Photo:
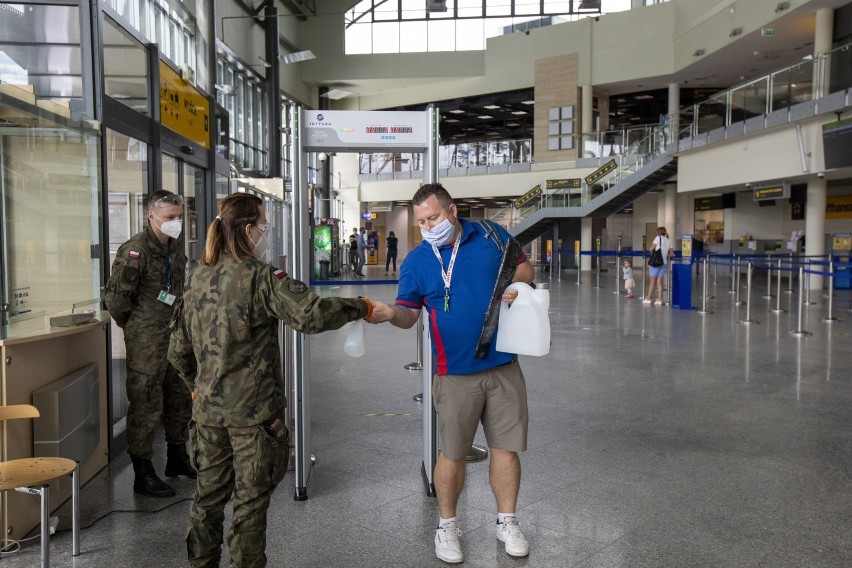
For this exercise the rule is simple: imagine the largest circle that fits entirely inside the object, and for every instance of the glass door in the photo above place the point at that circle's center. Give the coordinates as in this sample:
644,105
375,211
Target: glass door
126,160
185,179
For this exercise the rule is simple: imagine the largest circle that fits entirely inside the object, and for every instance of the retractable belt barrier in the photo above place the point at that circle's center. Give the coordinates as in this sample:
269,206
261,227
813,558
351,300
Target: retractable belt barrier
790,263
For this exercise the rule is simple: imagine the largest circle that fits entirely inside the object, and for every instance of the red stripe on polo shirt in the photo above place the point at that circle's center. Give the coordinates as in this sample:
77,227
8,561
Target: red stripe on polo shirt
441,355
407,304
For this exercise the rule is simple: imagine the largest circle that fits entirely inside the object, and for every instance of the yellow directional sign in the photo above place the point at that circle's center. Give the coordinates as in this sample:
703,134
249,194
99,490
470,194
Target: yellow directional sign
599,173
527,197
183,108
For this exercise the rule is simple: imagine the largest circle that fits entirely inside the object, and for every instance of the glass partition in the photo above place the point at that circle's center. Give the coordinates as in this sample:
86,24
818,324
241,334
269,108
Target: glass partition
50,212
49,209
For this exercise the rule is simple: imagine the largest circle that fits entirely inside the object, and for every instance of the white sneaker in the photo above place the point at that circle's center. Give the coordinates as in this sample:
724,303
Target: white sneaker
509,533
447,547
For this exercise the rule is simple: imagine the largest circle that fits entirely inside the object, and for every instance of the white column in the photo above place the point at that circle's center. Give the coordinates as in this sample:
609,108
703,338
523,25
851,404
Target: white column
823,35
670,210
815,226
824,30
674,111
587,125
586,242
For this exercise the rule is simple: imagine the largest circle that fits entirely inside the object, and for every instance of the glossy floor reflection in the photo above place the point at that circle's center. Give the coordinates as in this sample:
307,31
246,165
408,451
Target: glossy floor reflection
658,438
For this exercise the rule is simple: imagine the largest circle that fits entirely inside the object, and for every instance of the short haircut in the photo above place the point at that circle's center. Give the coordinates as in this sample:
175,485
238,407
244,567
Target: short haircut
158,195
429,189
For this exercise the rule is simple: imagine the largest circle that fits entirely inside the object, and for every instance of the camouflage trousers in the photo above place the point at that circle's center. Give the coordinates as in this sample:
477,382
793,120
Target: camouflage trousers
152,398
240,463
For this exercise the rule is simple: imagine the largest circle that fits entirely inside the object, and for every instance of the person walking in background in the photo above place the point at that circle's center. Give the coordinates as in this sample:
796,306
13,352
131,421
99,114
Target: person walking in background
353,250
224,345
362,252
697,253
629,282
147,277
452,274
392,241
658,273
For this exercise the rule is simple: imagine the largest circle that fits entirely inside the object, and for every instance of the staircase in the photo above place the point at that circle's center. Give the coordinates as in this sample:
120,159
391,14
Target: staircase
610,201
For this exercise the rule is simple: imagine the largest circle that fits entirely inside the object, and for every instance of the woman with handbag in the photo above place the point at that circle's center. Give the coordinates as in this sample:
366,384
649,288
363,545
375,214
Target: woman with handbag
660,252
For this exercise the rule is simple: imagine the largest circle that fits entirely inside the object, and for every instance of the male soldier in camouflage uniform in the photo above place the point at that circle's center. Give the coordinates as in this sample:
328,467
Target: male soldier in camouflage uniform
224,345
147,276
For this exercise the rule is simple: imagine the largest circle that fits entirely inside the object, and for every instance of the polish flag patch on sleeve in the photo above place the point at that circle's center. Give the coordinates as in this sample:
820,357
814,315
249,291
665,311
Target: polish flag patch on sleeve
133,254
278,273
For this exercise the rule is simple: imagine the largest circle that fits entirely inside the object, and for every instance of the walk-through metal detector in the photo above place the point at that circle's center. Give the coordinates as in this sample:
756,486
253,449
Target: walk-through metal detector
349,131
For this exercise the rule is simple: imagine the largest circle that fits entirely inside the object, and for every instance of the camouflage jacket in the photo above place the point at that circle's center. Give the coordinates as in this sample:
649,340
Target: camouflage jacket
224,337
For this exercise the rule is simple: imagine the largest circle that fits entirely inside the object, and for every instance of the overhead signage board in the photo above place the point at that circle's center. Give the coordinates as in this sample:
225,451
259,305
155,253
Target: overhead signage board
463,211
599,173
381,206
527,197
365,131
709,203
183,108
774,191
573,183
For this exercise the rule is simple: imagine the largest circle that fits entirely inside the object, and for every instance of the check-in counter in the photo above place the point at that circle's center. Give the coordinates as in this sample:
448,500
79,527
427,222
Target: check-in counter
66,368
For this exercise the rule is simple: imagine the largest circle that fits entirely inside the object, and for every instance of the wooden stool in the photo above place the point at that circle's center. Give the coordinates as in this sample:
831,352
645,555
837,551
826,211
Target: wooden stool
34,475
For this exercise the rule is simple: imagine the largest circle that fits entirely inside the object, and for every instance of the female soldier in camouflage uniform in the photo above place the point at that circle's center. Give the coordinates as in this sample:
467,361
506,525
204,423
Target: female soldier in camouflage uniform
224,346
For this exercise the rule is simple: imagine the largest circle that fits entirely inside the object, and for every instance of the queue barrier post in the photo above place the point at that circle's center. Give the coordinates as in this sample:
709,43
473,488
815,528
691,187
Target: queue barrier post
704,309
748,320
830,318
778,309
768,295
799,332
736,280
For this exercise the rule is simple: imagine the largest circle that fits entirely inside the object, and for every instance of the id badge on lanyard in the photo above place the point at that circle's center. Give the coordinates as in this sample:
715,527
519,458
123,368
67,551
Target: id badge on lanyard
165,295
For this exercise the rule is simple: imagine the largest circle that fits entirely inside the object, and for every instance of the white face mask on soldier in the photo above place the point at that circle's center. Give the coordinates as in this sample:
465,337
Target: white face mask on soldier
262,243
439,235
171,228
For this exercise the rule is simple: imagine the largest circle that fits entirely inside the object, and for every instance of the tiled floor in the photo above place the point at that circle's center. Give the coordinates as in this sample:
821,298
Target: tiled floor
658,438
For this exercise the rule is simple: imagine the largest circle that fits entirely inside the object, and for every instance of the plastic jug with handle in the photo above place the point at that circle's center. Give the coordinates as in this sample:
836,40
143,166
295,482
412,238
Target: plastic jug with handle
354,346
524,326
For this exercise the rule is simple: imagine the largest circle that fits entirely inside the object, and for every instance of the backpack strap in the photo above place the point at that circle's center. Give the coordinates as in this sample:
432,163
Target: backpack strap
490,229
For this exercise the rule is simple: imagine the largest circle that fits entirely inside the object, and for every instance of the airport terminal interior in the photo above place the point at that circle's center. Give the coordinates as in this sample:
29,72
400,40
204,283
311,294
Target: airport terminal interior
658,438
712,430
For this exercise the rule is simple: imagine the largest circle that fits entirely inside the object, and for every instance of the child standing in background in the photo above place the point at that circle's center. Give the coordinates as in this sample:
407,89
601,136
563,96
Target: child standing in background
629,283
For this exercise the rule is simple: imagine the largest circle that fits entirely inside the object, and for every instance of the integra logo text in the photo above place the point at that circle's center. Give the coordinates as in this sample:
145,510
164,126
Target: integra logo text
320,121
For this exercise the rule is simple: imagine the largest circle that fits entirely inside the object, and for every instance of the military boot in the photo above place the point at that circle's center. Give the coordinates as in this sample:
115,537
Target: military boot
177,462
147,482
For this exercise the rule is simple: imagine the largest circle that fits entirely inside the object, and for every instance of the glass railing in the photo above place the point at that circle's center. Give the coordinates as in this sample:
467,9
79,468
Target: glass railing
629,149
808,80
499,156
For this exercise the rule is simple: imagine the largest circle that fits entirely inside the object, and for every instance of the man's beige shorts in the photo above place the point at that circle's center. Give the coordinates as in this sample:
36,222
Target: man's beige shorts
497,398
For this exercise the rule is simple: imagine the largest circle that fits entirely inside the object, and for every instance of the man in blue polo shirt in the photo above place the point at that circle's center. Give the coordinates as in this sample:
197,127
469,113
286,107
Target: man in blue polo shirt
452,274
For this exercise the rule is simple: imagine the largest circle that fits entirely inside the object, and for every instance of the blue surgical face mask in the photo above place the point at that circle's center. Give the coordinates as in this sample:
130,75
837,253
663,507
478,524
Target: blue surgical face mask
439,235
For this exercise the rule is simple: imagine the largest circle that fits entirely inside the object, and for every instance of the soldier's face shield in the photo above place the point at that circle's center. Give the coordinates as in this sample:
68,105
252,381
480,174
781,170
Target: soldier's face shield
169,200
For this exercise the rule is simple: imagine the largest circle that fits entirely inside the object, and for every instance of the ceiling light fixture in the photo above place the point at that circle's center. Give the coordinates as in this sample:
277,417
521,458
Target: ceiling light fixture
484,116
491,107
528,102
298,56
519,112
456,111
337,94
226,90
